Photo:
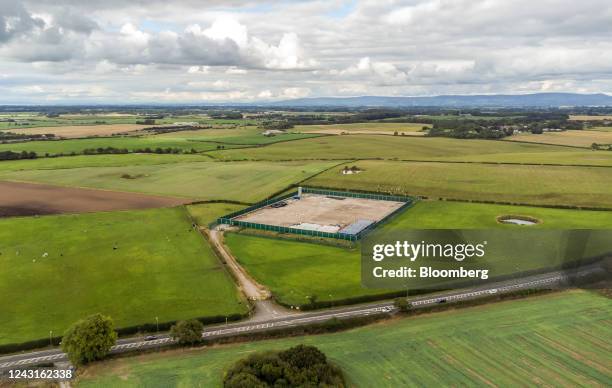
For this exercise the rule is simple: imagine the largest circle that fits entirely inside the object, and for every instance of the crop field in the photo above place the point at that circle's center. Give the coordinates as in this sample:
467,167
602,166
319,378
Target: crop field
333,272
559,338
239,181
132,265
569,157
590,117
82,130
601,129
104,160
526,184
384,147
27,199
373,128
569,138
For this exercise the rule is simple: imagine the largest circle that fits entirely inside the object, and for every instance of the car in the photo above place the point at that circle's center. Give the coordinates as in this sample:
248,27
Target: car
441,300
150,338
493,291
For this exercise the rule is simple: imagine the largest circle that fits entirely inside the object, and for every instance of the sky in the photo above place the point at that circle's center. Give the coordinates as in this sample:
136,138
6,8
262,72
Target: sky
193,51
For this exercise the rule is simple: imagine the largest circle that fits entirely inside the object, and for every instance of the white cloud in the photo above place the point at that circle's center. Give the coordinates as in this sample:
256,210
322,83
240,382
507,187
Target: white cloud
235,70
150,49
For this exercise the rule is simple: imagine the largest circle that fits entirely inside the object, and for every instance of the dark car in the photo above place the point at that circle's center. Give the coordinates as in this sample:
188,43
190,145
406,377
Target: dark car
441,301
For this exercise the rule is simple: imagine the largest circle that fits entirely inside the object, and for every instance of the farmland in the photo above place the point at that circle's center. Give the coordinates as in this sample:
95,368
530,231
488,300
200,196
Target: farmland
538,185
365,128
567,138
27,199
416,148
239,181
386,147
81,130
78,161
563,334
132,265
333,272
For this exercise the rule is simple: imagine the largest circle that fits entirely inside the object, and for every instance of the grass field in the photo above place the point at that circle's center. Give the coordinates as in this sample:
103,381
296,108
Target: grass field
58,269
462,215
550,185
239,181
78,161
294,271
366,128
334,272
206,213
54,147
557,339
236,136
570,156
416,148
386,147
569,138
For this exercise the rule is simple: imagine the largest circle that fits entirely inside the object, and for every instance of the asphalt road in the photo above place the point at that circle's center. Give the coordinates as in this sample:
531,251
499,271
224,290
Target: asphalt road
550,280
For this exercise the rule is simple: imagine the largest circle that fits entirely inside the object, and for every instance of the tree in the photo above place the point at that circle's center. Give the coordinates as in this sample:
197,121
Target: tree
89,339
402,305
300,366
187,332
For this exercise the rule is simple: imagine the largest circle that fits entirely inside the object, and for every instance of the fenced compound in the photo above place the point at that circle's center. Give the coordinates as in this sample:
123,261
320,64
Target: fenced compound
351,232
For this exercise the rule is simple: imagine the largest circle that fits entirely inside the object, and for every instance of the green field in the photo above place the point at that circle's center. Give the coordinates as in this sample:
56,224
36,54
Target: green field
417,148
539,185
99,161
239,181
582,138
33,120
369,127
206,213
334,273
132,265
294,271
461,215
386,147
55,147
558,339
235,136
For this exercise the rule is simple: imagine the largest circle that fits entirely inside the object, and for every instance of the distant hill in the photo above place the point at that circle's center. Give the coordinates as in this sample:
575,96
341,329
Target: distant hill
495,100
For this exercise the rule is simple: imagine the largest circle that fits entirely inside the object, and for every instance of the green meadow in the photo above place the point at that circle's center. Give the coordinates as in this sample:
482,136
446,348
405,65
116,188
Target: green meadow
556,339
296,270
132,265
239,181
384,147
525,184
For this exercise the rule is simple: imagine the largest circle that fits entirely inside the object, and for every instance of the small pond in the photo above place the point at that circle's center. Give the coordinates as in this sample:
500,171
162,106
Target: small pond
517,220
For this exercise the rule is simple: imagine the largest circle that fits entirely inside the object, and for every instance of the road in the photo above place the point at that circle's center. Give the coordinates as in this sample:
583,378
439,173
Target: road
249,286
294,319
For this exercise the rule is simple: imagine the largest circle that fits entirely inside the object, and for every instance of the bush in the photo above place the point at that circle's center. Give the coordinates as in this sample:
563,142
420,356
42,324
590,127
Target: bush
89,339
187,332
299,366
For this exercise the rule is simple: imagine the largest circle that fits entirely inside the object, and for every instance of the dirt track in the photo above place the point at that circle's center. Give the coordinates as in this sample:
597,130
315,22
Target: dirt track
28,199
